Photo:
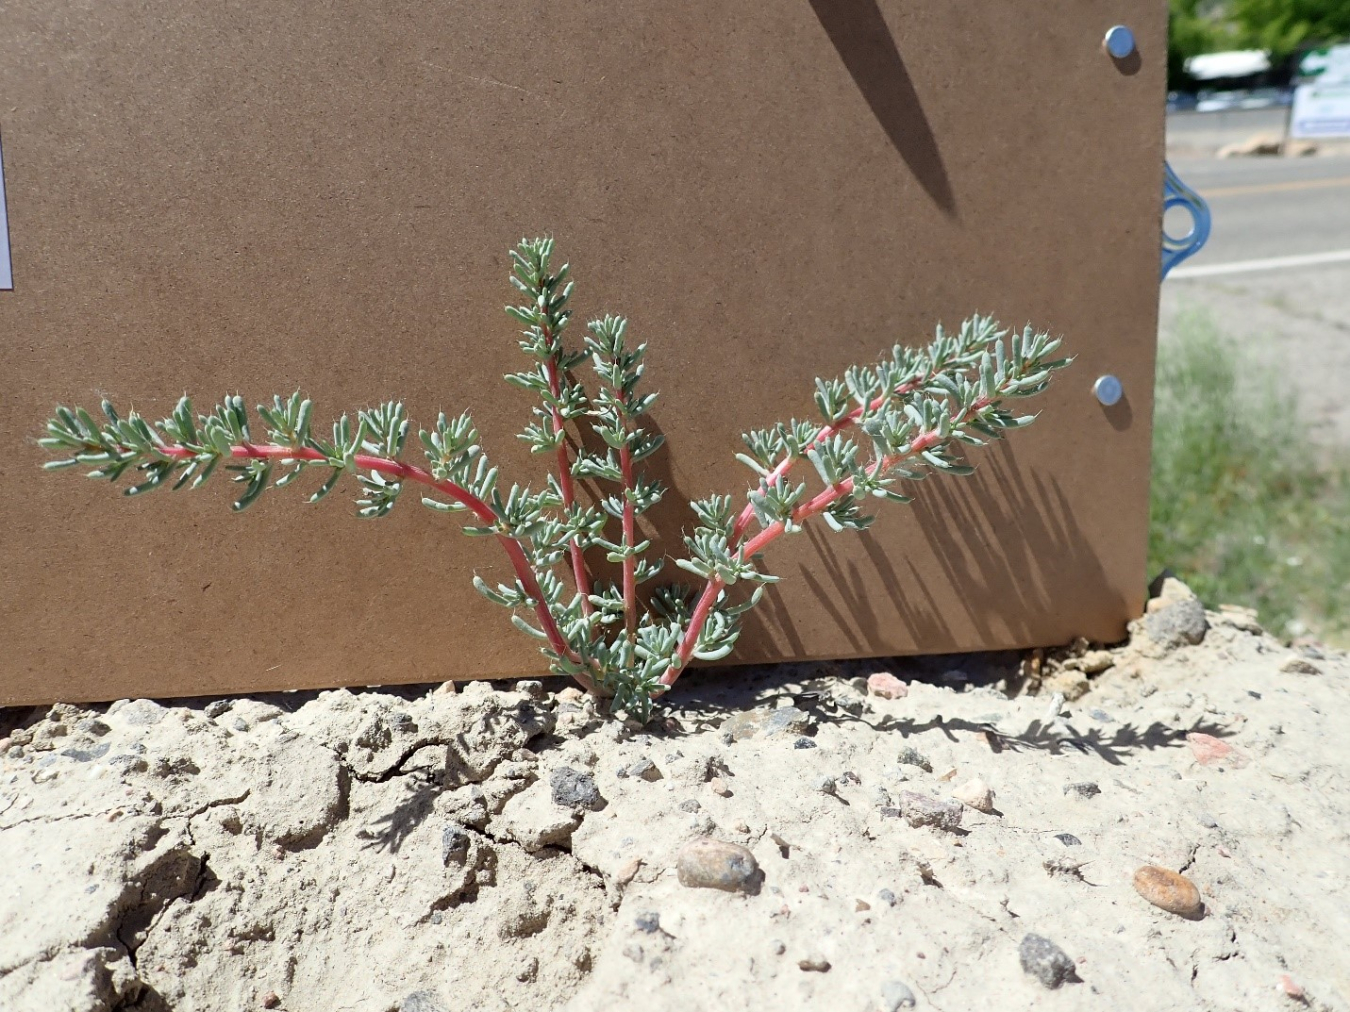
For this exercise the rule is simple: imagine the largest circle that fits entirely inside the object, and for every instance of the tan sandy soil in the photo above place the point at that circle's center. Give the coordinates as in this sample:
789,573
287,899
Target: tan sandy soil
507,848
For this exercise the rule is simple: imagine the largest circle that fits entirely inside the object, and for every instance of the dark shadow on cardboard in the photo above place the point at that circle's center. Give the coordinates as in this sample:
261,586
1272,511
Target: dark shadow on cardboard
863,40
1006,537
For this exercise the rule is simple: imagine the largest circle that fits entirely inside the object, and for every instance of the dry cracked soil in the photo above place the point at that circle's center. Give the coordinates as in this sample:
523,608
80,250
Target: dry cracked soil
787,837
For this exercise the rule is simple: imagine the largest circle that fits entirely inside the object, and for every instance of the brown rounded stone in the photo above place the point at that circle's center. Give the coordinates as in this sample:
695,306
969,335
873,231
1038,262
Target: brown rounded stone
713,864
1166,889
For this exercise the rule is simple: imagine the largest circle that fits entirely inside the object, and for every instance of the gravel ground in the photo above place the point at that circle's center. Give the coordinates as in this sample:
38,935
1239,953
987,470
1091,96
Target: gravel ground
1160,825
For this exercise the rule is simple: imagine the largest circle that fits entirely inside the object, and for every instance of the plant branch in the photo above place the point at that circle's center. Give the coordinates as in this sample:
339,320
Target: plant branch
411,472
629,540
715,585
565,483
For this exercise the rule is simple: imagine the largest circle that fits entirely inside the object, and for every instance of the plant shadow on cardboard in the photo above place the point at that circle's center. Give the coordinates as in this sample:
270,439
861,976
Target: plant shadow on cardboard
1028,550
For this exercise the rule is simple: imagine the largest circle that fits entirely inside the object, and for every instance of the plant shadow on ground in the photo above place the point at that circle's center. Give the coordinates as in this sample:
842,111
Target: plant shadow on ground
709,696
389,832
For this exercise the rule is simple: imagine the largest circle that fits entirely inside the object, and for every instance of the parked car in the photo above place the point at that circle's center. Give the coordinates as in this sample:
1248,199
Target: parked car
1254,98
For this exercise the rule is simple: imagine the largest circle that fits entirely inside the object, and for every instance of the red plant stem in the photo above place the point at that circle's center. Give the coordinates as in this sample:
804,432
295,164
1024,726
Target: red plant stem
583,579
785,465
703,607
629,540
515,551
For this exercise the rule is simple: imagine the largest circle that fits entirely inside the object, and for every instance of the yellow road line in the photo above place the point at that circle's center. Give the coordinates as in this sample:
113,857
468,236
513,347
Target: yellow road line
1302,184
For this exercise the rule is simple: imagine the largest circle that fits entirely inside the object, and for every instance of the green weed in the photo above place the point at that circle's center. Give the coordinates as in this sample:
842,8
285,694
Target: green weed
1245,508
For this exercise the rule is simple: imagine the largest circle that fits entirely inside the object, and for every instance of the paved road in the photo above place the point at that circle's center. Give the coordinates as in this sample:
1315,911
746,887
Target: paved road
1275,274
1271,207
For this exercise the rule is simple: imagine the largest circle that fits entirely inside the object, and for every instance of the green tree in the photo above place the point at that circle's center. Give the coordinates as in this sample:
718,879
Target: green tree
1194,27
1284,26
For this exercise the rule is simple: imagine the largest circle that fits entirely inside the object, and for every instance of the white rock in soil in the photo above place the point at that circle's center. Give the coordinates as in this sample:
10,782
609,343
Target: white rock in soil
975,793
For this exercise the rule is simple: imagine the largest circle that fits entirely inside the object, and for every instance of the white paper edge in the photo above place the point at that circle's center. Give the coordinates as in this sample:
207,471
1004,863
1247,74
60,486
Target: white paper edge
6,274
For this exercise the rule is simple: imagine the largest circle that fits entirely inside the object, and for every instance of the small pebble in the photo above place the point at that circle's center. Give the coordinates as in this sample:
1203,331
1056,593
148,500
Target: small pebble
886,685
573,789
714,864
777,947
1068,839
1094,662
766,721
644,769
1209,750
1169,891
269,1000
527,969
1046,961
1206,820
1298,666
719,787
690,806
1291,988
824,784
910,756
887,897
921,810
649,921
629,871
422,1001
530,687
804,743
94,726
896,995
239,724
142,712
1083,789
860,905
740,827
976,794
1177,624
84,755
815,963
454,845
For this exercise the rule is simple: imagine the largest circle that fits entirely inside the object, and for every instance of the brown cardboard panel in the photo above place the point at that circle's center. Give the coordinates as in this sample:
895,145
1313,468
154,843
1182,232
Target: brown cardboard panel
214,197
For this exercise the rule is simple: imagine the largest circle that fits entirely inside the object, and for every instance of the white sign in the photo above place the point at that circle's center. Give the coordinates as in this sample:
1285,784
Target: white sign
1321,110
1327,65
6,275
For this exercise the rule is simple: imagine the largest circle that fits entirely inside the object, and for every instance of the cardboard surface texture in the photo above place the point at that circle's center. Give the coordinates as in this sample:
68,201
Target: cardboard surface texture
256,197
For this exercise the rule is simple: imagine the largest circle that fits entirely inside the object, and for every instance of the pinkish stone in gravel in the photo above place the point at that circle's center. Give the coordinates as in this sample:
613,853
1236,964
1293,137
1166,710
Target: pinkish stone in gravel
886,685
1210,750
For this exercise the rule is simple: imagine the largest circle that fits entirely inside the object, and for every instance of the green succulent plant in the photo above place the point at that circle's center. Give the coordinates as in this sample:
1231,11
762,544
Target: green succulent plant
882,428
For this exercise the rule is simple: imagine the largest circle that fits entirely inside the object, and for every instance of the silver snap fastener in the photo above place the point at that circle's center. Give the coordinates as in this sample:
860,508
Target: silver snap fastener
1108,390
1119,42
